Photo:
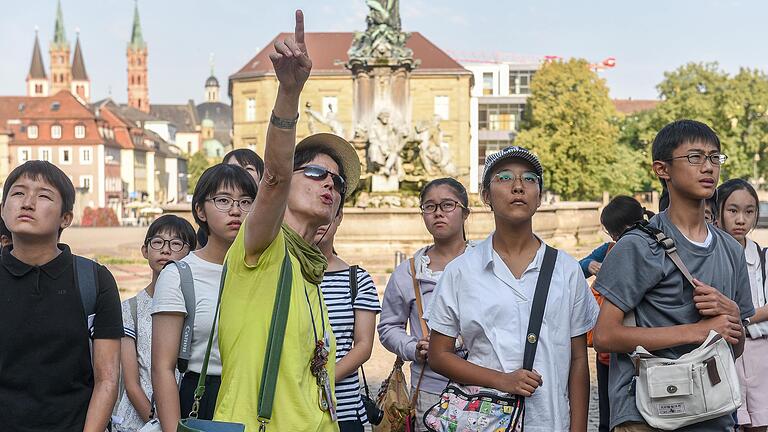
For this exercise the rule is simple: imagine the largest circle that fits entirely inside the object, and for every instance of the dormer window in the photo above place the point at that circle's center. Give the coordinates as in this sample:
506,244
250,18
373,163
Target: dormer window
32,131
79,131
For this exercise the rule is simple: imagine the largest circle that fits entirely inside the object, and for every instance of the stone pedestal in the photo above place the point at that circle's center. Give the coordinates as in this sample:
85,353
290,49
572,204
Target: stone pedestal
382,183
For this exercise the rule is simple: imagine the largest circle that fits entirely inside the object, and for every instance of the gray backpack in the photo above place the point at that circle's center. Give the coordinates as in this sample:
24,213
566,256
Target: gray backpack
187,331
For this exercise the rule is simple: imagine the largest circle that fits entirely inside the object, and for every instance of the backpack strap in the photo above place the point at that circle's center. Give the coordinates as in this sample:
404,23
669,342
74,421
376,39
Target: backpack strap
670,250
85,275
133,305
353,283
187,285
761,253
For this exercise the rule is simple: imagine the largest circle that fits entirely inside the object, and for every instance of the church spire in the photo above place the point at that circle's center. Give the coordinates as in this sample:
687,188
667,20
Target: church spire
59,35
37,68
78,64
37,81
137,40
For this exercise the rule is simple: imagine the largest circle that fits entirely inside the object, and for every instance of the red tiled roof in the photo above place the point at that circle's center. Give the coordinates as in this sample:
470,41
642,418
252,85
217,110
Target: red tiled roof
329,54
61,109
634,106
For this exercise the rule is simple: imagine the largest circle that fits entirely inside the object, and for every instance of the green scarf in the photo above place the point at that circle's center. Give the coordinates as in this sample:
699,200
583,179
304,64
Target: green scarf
313,262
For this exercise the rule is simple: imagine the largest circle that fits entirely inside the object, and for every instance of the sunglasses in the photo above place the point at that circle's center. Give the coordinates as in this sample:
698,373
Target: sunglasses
319,173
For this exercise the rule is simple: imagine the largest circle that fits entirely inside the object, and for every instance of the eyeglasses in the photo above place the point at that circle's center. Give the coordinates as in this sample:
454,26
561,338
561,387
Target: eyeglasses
225,203
716,159
529,179
446,206
319,173
158,243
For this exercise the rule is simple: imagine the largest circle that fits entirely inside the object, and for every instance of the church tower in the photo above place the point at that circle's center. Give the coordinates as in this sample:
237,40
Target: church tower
61,73
212,86
138,89
81,85
37,81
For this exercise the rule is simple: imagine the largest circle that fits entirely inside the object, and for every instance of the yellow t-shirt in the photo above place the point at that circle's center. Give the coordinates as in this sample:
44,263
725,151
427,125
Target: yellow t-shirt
246,314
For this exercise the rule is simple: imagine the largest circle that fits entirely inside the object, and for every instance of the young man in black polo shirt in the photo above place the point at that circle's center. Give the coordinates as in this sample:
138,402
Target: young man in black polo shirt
48,381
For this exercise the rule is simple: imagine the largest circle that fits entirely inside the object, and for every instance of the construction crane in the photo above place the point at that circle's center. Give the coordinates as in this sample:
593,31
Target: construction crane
506,57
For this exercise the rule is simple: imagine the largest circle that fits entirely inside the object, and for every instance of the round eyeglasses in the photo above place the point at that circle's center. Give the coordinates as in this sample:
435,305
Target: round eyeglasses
158,243
528,178
225,203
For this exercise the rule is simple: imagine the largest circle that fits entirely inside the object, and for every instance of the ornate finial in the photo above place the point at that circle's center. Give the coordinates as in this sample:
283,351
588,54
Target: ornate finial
37,29
77,31
210,61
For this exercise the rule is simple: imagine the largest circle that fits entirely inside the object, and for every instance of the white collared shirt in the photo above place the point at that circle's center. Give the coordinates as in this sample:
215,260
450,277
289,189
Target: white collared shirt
481,300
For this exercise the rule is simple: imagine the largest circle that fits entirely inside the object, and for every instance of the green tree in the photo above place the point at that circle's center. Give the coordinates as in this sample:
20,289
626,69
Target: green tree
572,125
197,164
734,106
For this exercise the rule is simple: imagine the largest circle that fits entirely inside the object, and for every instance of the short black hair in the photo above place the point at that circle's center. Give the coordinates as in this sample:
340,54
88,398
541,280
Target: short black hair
48,172
173,225
621,212
678,133
305,155
215,178
246,157
725,190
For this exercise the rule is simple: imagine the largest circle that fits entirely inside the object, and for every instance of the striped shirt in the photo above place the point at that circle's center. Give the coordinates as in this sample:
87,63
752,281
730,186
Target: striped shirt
338,299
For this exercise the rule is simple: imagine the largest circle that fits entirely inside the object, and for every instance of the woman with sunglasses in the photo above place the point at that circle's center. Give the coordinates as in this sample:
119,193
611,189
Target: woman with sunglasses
223,197
445,209
302,189
168,238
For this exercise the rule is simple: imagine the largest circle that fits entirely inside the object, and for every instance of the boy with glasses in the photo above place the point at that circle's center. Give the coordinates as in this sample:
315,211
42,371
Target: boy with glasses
672,316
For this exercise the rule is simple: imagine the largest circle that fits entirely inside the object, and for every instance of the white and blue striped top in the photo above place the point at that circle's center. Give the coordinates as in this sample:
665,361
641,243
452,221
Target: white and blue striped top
338,299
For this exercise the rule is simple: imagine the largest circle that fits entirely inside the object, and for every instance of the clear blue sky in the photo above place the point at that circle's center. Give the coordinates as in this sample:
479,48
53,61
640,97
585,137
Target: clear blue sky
646,37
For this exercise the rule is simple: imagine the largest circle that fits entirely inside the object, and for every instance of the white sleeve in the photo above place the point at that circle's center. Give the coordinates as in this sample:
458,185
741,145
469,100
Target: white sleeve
442,314
168,296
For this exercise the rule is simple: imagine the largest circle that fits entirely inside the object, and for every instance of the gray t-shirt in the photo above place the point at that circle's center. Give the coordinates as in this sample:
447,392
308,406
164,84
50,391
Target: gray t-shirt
637,275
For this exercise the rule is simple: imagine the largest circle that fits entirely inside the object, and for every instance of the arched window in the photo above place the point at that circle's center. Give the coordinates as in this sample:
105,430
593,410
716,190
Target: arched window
138,61
138,80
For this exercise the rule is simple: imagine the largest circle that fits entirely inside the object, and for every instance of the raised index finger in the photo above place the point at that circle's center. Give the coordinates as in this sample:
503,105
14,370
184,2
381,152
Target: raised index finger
299,30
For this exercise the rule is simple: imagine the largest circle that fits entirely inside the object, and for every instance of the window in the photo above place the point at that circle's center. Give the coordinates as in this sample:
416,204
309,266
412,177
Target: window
32,131
85,155
65,156
442,107
330,104
38,89
250,110
487,83
86,182
520,82
44,153
80,131
56,131
500,117
25,154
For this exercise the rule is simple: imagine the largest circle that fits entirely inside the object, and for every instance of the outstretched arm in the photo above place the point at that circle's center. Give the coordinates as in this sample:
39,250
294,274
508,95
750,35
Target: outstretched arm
292,67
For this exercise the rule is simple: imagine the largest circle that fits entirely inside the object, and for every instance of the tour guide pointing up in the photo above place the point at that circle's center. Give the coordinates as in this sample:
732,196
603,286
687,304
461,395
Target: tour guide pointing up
298,193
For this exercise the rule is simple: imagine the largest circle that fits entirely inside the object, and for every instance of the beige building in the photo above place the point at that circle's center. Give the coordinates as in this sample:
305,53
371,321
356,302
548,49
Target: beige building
438,86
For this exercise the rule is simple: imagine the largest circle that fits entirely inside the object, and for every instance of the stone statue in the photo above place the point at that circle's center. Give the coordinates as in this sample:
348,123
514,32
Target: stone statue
384,146
383,39
435,154
386,12
328,120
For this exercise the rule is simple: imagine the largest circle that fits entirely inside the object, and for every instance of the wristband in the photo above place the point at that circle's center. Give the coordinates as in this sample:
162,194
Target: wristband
282,123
